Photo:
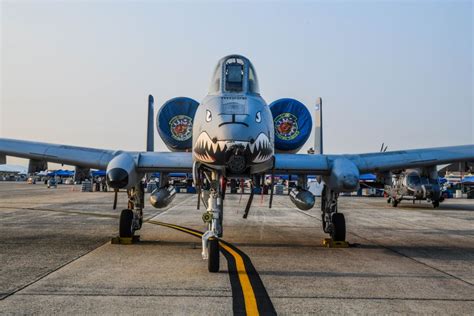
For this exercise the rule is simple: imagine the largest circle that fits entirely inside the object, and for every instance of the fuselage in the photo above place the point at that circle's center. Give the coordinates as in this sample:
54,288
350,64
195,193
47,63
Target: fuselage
234,130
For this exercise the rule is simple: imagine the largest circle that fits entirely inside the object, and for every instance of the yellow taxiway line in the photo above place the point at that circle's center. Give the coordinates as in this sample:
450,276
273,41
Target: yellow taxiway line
247,289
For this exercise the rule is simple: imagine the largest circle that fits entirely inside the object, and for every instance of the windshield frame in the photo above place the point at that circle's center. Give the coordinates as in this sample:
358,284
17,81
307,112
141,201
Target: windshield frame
411,182
246,86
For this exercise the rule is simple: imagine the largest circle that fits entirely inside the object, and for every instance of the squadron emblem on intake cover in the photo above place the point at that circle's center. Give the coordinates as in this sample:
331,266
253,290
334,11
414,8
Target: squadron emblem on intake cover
286,126
181,127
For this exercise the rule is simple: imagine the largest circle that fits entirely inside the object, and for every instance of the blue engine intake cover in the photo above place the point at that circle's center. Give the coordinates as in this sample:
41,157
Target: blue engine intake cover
293,124
174,123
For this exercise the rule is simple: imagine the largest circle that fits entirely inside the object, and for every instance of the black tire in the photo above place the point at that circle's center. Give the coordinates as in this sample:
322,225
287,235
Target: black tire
389,200
221,220
125,226
339,231
213,260
394,202
435,204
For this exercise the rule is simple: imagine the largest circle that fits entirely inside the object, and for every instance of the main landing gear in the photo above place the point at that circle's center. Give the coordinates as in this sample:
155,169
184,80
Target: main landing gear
334,223
213,217
131,219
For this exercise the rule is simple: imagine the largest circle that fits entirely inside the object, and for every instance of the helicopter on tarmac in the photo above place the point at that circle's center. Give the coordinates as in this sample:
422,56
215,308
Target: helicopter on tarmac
414,185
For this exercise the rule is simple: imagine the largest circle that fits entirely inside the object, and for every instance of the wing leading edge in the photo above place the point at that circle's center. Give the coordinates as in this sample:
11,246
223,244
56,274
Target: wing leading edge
286,163
374,162
93,157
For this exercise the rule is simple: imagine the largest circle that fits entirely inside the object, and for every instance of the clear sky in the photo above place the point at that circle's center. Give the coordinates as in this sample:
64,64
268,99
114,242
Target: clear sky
79,72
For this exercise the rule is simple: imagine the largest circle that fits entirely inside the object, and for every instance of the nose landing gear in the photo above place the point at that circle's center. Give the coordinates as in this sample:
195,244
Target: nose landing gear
213,217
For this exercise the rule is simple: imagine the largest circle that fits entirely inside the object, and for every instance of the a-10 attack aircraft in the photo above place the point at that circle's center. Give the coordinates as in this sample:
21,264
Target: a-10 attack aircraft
232,133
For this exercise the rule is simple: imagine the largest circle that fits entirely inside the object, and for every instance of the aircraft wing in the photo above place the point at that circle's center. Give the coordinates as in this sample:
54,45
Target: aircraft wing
92,157
374,162
165,161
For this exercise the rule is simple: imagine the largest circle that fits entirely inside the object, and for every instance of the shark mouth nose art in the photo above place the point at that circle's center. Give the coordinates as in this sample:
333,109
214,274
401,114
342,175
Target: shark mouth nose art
210,151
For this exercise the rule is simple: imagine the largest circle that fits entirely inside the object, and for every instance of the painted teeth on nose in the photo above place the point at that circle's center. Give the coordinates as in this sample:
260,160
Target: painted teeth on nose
252,147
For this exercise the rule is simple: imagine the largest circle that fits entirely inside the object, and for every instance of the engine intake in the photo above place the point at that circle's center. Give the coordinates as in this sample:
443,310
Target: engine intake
293,124
174,123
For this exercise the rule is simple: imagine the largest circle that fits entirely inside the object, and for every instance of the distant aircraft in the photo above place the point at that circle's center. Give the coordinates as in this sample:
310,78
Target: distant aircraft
413,185
232,133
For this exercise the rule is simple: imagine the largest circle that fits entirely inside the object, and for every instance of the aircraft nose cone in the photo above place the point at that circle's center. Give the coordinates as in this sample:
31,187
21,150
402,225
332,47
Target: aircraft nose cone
117,178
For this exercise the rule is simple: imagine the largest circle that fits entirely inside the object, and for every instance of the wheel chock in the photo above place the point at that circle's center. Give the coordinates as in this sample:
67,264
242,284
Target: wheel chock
329,243
125,240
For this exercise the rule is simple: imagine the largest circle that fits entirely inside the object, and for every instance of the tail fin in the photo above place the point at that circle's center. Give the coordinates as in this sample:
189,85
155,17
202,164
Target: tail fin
150,140
318,128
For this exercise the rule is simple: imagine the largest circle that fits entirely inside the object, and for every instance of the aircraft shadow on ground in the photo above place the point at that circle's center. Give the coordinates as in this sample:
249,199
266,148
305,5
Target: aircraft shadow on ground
187,244
325,274
441,208
426,252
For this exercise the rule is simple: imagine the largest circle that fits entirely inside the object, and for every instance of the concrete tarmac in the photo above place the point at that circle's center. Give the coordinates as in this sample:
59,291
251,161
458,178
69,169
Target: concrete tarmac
56,257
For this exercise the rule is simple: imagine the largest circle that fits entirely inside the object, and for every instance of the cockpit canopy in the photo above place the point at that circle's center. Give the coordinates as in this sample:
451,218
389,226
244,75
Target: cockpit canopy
414,179
234,74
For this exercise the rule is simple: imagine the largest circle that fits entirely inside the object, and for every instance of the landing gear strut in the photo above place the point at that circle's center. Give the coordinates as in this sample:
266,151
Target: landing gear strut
131,219
213,217
334,223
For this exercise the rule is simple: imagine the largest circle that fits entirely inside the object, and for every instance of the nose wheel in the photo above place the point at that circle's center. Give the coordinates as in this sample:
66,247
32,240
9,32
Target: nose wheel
213,252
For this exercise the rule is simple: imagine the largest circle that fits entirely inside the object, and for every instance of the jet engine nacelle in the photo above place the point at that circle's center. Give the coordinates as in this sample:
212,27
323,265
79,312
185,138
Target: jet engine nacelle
174,123
344,176
303,199
162,197
293,124
121,172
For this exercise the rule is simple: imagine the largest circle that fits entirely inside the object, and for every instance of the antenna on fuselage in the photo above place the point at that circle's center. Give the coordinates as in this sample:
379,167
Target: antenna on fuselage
150,140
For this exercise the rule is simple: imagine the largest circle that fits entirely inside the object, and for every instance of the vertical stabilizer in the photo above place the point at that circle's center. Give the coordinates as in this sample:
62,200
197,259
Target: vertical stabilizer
318,126
150,140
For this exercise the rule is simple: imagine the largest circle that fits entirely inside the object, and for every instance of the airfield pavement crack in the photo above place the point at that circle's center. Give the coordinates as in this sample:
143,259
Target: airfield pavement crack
50,272
400,254
415,260
120,295
427,299
3,296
